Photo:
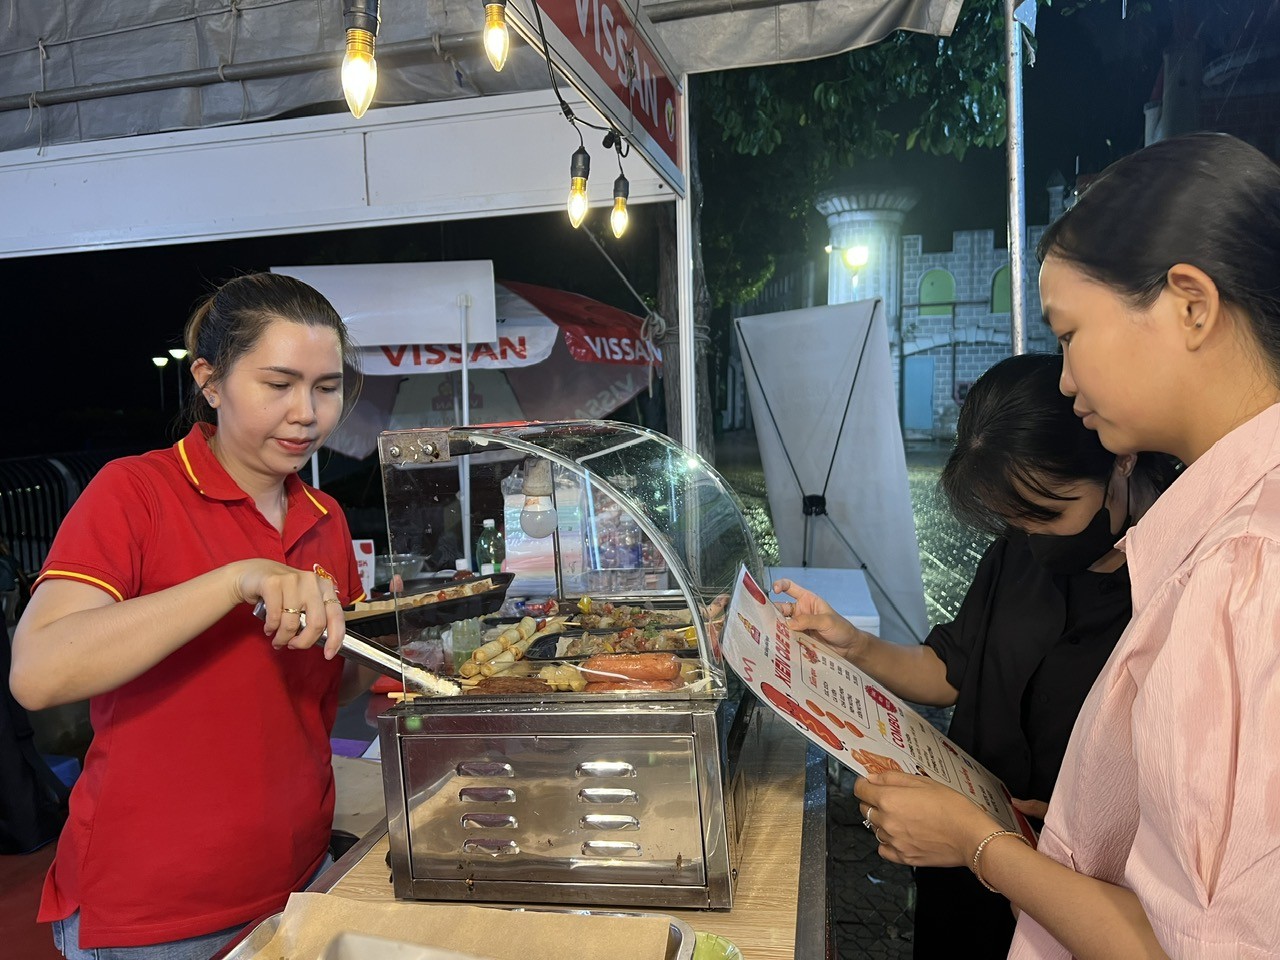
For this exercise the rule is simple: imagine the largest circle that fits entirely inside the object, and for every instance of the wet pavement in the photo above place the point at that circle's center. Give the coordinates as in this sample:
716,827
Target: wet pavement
872,901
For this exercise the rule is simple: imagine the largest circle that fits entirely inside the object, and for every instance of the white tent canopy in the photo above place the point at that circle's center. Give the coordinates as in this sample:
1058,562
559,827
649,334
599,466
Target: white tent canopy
827,426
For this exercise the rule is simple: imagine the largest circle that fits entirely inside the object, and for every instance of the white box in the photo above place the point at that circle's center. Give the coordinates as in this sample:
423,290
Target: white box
845,589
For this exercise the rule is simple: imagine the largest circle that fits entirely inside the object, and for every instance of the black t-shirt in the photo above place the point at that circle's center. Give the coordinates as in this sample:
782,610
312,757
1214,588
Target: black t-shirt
1023,652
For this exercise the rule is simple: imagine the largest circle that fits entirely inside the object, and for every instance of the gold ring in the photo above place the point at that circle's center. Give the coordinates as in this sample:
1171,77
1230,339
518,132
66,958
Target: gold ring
333,600
293,610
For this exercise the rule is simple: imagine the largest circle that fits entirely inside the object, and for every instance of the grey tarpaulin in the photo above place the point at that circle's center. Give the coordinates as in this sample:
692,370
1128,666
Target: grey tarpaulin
48,46
821,391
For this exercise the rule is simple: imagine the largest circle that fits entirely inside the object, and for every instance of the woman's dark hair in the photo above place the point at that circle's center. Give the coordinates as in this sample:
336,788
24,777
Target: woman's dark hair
230,321
1208,200
1018,437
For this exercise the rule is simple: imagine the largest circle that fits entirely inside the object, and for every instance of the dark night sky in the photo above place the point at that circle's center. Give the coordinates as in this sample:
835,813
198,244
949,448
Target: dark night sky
80,328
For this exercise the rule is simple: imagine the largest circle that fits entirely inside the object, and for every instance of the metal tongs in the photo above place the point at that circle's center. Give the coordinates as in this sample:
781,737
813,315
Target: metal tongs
359,650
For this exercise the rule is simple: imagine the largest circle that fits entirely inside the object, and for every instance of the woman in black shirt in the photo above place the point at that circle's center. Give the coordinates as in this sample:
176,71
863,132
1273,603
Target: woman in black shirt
1048,602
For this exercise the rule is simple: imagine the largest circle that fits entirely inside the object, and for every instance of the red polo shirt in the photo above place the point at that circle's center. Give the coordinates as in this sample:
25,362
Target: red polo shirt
207,793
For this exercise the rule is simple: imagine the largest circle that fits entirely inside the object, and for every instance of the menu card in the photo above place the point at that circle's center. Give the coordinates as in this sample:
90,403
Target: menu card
844,711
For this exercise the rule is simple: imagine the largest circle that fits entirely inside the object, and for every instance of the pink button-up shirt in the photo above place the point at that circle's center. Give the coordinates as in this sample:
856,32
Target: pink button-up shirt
1171,783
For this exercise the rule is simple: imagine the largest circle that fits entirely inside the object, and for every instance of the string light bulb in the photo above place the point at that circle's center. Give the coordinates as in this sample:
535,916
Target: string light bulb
619,218
497,41
579,171
359,68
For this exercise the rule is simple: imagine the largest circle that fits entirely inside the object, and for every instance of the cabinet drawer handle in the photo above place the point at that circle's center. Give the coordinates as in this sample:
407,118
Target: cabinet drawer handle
610,821
483,768
605,768
608,795
489,821
492,848
611,848
487,795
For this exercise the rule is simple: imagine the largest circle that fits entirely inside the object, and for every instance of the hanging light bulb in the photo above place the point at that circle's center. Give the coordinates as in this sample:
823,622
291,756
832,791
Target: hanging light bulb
579,170
619,218
359,68
497,41
538,518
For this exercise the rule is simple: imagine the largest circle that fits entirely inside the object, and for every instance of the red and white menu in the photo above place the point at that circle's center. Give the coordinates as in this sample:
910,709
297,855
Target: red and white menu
844,711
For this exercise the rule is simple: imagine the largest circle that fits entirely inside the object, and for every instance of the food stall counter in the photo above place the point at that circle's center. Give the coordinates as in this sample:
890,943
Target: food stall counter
780,900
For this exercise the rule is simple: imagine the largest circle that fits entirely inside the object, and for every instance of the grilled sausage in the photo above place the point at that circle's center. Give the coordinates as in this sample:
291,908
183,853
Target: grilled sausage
633,666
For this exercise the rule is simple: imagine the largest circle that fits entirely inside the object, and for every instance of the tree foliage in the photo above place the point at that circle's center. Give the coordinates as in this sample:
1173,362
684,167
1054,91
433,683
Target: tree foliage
771,138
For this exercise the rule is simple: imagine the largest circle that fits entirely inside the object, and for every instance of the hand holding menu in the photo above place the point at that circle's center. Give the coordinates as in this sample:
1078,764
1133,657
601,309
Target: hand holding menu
844,711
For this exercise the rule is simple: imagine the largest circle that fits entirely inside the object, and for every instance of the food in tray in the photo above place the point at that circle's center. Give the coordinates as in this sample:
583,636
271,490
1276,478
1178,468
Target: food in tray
594,615
501,654
633,672
640,673
632,666
563,676
452,591
630,640
509,686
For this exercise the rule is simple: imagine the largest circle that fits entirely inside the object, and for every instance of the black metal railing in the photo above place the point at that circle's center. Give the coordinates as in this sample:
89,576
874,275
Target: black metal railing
36,493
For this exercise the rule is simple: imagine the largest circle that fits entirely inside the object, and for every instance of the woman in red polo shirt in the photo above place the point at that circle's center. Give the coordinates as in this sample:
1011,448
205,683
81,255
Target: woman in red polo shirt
207,793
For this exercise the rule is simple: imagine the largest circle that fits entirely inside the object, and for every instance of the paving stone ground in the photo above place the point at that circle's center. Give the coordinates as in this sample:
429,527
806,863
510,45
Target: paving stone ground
873,901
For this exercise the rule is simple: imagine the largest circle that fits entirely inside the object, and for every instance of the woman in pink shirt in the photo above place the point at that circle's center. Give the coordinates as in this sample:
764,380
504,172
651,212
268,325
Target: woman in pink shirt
1163,834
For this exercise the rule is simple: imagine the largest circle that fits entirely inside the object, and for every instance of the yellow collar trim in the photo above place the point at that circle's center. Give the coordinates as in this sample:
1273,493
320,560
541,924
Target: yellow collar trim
186,462
319,505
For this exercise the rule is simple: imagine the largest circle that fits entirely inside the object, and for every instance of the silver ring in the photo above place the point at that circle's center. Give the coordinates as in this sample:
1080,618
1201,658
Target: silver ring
868,824
879,839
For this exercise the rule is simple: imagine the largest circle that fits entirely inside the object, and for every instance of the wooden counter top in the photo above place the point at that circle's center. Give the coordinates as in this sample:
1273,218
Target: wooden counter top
767,899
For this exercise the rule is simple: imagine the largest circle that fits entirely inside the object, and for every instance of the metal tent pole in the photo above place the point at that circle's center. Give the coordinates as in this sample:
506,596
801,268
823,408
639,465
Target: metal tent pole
1013,10
464,463
684,286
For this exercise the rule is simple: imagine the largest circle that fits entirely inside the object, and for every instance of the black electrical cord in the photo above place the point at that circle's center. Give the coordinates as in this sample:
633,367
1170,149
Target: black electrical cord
567,110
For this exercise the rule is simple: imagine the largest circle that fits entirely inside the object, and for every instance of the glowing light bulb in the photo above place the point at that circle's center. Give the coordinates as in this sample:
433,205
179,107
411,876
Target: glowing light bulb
359,72
579,170
538,518
160,361
497,41
619,218
855,257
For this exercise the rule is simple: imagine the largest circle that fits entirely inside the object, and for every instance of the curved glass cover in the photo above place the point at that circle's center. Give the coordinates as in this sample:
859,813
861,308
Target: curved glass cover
610,512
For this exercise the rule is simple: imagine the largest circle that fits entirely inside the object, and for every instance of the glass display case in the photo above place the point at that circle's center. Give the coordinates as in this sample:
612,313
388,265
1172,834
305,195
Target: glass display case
609,512
578,741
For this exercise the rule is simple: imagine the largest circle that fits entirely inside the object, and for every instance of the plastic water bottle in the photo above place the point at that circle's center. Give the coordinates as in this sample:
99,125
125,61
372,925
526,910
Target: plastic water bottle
491,549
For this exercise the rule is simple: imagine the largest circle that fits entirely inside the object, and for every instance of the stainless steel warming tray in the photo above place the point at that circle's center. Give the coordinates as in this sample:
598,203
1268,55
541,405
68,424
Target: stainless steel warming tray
561,794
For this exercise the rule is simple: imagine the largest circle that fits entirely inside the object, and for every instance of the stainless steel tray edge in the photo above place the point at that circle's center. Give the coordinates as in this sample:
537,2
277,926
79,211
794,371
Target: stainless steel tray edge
681,938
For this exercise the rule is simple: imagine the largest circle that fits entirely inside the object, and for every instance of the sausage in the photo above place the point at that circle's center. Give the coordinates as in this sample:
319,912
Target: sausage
634,666
606,686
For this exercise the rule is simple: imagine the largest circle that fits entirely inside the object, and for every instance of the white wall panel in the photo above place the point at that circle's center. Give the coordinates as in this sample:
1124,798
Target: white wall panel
460,159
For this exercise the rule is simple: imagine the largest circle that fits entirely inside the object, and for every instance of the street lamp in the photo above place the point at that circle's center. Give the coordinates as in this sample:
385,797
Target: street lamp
179,355
161,363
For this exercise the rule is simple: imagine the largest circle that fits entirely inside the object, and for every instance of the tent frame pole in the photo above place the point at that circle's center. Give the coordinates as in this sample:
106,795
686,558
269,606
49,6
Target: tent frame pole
1016,161
464,462
684,288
